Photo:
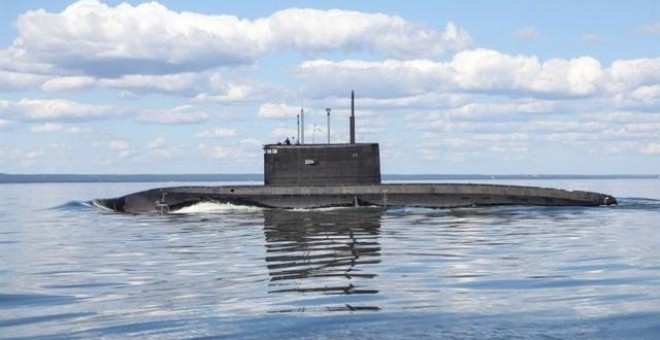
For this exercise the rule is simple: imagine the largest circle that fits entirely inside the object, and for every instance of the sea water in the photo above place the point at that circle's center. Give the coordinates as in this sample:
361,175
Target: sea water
71,270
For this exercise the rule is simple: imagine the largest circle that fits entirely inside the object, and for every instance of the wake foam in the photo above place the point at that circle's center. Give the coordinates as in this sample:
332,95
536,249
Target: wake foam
215,208
97,204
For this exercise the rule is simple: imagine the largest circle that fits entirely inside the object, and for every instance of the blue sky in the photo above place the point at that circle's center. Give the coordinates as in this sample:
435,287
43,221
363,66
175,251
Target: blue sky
479,87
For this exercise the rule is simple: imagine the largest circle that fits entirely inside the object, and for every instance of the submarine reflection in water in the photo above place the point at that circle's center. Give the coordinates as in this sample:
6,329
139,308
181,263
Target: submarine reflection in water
324,253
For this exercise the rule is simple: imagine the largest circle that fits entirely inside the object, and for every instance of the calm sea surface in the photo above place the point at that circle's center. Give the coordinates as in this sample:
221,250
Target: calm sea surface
69,270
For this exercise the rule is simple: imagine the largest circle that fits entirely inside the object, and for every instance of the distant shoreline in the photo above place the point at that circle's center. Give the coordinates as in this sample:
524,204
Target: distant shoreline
106,178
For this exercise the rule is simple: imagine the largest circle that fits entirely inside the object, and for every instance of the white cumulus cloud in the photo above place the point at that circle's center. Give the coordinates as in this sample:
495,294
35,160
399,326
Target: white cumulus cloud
311,29
633,73
171,83
184,114
232,92
67,83
481,71
12,81
89,38
47,127
277,111
55,109
216,133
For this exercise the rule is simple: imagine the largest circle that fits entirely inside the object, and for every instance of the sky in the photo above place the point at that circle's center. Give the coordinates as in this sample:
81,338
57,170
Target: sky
445,87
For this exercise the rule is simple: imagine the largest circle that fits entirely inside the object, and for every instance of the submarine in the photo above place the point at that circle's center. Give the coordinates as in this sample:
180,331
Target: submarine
308,176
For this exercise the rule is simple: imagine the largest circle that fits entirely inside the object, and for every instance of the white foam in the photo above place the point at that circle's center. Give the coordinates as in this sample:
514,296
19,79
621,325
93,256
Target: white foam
100,206
214,207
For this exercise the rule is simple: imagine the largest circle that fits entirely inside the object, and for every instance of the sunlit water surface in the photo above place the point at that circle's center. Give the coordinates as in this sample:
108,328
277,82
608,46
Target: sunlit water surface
69,270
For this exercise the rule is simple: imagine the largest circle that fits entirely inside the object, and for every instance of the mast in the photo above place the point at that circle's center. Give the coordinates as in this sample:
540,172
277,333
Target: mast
328,126
352,119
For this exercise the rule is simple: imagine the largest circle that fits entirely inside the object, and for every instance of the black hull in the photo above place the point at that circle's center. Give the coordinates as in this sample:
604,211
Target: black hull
165,200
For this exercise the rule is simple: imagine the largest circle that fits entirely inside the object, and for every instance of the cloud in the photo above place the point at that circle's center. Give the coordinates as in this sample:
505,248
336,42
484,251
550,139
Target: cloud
156,143
251,142
118,144
184,114
89,38
68,83
221,90
14,81
216,133
277,111
55,127
598,132
24,158
644,98
466,147
92,38
158,149
214,152
498,110
202,85
482,71
626,75
6,124
180,83
590,38
122,147
491,71
376,79
48,127
478,70
527,33
317,30
77,130
55,109
282,133
651,148
652,28
31,157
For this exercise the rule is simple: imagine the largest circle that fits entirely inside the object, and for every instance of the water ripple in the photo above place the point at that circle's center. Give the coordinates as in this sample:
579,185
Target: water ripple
501,272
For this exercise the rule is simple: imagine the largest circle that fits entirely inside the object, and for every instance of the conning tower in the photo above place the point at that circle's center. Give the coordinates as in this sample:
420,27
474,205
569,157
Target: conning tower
323,164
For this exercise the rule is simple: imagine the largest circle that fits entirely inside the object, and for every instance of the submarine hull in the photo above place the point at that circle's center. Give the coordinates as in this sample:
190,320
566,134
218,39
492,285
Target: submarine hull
169,199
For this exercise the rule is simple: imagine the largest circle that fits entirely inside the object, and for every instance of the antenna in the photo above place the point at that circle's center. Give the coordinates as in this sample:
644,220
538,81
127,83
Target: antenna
302,123
352,119
328,111
298,129
314,133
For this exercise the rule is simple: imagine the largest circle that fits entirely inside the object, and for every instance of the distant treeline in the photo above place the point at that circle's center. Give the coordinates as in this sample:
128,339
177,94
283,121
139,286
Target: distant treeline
76,178
425,177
